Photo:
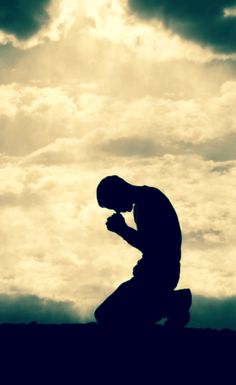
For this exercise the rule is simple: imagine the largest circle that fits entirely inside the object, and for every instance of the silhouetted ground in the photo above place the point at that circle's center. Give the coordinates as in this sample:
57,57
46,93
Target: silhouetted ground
86,353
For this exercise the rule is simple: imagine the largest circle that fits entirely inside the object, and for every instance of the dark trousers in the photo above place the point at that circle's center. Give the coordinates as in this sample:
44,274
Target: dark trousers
137,301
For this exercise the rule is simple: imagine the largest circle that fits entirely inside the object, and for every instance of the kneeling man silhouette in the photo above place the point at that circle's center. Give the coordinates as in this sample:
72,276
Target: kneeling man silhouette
149,295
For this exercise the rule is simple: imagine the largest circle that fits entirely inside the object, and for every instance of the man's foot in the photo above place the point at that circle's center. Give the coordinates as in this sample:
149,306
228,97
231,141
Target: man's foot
178,314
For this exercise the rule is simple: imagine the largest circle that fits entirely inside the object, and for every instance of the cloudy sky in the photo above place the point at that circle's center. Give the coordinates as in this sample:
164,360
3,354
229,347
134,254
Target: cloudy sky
139,88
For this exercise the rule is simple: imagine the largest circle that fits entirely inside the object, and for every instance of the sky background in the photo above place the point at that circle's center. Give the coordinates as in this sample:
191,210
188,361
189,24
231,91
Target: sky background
142,89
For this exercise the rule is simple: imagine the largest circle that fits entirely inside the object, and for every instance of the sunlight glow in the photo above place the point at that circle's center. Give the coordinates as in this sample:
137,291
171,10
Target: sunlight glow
114,22
230,12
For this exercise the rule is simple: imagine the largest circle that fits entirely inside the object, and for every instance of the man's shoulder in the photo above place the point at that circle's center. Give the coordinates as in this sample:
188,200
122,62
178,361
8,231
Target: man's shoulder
154,198
153,191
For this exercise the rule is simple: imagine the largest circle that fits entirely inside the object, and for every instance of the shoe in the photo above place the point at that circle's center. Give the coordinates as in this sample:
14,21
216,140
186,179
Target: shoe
178,314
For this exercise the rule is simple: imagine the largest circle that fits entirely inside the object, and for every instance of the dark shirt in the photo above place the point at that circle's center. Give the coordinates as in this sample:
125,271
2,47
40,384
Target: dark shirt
160,236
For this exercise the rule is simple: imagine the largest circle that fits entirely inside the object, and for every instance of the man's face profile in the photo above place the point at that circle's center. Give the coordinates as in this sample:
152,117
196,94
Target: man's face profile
114,193
118,203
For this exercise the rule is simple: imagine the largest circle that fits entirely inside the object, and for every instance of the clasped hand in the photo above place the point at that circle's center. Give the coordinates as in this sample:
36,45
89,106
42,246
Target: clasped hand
116,223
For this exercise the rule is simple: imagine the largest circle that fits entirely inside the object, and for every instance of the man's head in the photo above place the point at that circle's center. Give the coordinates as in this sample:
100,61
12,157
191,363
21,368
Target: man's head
115,193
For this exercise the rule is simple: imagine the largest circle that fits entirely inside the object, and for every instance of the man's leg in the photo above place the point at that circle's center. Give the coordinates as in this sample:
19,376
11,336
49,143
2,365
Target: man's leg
118,307
131,304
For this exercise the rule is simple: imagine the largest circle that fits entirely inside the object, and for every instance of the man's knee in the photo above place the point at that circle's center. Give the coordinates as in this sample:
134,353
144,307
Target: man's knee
98,314
105,311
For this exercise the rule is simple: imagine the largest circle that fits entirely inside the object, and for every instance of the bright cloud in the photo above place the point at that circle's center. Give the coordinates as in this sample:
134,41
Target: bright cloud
52,216
43,115
112,21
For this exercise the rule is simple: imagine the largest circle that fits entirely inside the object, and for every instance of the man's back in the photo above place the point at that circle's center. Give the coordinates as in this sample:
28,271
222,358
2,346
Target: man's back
159,230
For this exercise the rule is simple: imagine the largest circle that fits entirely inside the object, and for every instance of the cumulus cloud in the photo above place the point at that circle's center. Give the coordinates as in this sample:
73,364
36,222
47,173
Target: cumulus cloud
131,146
23,19
51,168
210,23
56,240
29,308
219,150
41,114
219,313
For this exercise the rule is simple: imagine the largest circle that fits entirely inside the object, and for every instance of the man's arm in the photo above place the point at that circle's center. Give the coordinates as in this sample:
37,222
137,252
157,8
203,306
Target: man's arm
117,224
131,236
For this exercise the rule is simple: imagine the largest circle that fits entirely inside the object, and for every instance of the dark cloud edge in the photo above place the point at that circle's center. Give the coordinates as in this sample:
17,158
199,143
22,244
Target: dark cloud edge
218,150
206,312
214,313
200,21
23,21
26,308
